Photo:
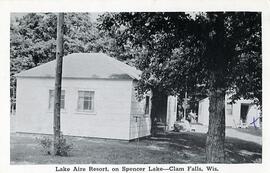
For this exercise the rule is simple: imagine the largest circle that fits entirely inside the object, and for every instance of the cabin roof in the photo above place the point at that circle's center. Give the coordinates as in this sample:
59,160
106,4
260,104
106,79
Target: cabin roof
86,65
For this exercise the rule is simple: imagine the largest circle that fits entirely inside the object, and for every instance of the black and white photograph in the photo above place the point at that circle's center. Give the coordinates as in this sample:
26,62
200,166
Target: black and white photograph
89,89
178,87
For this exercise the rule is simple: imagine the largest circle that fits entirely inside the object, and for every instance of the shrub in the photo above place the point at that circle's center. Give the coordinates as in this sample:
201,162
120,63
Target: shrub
46,144
62,146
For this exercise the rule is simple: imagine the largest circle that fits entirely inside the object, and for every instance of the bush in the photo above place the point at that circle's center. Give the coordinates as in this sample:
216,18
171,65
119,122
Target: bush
46,144
62,146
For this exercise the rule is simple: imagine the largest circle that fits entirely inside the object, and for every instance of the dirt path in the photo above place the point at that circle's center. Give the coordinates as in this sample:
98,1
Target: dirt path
232,133
243,136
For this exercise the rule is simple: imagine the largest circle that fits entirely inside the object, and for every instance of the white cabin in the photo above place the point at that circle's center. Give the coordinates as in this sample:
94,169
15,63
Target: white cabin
243,113
98,99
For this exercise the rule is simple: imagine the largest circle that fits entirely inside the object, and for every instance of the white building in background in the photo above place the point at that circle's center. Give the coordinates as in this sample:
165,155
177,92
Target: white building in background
98,99
242,113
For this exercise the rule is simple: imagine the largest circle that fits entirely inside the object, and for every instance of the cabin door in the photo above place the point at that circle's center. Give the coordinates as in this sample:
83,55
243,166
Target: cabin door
244,112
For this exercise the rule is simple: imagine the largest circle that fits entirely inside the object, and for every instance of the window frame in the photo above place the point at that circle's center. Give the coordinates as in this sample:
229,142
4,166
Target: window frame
92,95
50,106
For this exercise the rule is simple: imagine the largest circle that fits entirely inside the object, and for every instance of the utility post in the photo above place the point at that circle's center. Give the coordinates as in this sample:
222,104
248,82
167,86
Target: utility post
58,82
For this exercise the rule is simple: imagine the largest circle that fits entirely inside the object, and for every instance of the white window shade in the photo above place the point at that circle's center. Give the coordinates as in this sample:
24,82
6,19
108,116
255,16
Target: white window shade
85,100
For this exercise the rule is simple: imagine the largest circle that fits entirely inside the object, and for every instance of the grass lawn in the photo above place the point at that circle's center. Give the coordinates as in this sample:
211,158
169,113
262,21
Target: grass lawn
171,148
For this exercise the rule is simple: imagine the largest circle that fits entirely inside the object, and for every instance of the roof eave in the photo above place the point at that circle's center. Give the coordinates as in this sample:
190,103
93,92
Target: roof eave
24,76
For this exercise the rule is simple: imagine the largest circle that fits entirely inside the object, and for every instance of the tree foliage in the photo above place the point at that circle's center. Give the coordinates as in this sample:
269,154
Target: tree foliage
33,40
208,53
177,51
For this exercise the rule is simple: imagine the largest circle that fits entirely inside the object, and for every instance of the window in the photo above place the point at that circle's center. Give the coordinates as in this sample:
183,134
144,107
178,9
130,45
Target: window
86,100
229,109
146,110
51,99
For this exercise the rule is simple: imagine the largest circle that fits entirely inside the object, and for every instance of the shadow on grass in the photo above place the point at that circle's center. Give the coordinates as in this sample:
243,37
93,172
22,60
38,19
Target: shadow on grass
168,148
237,151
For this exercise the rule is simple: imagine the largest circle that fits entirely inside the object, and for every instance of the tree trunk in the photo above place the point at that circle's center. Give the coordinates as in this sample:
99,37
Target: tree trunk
216,130
217,65
58,83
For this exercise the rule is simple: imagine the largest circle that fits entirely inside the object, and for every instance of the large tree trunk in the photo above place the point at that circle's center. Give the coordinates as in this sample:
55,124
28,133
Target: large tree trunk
216,130
217,65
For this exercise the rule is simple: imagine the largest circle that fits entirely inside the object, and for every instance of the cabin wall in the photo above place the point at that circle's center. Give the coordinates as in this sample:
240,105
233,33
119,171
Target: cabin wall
171,112
203,113
142,126
231,119
110,118
252,114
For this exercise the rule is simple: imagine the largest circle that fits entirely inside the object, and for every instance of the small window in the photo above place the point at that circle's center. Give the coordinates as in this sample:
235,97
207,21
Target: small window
147,99
86,100
229,109
51,99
